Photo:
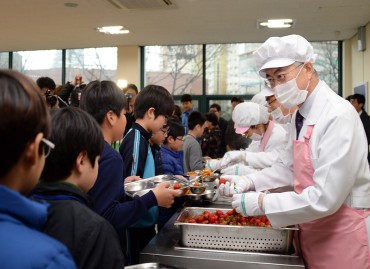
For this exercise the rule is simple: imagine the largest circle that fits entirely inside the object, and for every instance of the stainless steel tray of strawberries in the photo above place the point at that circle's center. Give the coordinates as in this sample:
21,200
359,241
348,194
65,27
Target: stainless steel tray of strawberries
224,229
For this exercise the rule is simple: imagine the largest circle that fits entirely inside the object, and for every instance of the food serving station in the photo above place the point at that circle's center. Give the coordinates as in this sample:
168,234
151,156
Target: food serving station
186,241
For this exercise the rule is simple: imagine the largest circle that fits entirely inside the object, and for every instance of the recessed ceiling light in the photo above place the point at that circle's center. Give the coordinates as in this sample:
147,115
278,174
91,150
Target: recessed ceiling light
68,4
280,23
113,30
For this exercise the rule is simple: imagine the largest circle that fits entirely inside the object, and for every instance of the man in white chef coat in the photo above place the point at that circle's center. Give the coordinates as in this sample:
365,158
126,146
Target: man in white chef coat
325,161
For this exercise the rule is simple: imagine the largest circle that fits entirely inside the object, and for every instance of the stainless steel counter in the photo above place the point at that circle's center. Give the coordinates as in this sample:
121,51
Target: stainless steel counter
163,248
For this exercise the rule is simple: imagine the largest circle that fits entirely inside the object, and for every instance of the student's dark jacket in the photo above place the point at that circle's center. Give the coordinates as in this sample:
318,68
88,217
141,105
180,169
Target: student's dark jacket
91,239
109,196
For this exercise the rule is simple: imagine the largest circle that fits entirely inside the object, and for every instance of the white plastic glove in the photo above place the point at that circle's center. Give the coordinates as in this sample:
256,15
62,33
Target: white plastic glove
213,164
238,169
234,184
232,157
247,204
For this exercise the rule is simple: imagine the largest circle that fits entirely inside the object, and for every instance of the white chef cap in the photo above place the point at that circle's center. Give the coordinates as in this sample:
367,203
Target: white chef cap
247,114
259,98
283,51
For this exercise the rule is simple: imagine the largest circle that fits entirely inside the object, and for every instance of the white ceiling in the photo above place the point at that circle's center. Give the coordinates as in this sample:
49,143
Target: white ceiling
49,24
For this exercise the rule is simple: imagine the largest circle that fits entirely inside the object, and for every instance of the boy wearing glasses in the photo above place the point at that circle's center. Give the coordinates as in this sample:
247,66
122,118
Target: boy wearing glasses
107,104
69,173
153,106
172,164
24,124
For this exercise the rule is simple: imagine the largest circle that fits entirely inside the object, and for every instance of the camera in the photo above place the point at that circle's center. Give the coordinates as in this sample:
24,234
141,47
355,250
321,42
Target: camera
128,96
51,100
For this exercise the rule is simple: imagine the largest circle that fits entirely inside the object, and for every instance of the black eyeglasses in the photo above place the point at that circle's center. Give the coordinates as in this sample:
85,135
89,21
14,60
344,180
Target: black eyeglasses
165,132
48,146
181,138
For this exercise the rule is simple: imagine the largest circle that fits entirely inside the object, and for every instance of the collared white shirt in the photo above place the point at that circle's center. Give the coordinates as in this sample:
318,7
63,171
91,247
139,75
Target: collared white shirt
339,158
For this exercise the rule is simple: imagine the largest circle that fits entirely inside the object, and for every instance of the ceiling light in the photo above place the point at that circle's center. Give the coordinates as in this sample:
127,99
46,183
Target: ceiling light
113,30
68,4
281,23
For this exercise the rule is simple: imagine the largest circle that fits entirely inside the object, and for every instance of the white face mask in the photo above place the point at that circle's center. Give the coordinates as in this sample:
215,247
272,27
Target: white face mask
289,95
256,137
279,117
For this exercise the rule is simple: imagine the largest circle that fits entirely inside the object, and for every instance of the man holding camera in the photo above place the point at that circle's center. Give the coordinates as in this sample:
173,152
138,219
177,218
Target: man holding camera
47,87
131,92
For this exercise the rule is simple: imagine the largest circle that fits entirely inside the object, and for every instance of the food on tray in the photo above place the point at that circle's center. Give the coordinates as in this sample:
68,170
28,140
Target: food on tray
222,181
191,173
231,217
206,172
178,186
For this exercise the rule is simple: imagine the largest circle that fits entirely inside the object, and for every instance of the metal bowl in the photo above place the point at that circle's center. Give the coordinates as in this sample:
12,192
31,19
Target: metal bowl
211,178
198,189
136,186
207,195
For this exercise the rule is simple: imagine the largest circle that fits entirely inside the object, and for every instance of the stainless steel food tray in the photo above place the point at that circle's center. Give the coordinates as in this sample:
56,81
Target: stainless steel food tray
238,238
152,266
142,186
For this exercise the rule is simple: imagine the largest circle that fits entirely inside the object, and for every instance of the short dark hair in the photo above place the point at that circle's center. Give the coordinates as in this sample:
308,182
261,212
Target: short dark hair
186,98
195,118
212,118
132,87
99,97
46,82
73,131
349,97
217,106
237,99
24,114
154,96
176,129
359,97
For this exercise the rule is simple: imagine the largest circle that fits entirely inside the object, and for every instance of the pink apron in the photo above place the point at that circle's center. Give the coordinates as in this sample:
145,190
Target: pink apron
338,241
267,135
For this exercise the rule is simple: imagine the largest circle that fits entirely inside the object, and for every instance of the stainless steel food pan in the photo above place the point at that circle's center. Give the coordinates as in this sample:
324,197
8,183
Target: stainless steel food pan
152,266
226,237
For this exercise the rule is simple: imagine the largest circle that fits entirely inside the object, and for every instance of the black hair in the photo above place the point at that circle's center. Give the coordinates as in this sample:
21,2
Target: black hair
99,97
73,131
217,106
212,118
195,118
176,129
131,86
156,97
349,97
46,82
359,97
24,114
186,98
237,99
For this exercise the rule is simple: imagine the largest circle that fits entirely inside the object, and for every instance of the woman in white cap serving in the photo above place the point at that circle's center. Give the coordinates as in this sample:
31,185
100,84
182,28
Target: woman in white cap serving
326,161
268,141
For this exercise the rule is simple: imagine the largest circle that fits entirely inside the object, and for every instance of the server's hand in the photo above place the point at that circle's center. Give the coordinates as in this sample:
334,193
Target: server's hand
238,169
213,164
232,157
234,184
249,204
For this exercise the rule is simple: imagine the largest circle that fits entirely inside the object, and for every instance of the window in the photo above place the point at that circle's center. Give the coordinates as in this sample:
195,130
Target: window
177,68
40,63
230,69
4,60
91,63
326,63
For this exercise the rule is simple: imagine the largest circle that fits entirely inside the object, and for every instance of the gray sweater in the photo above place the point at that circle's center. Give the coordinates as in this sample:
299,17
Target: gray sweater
192,154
